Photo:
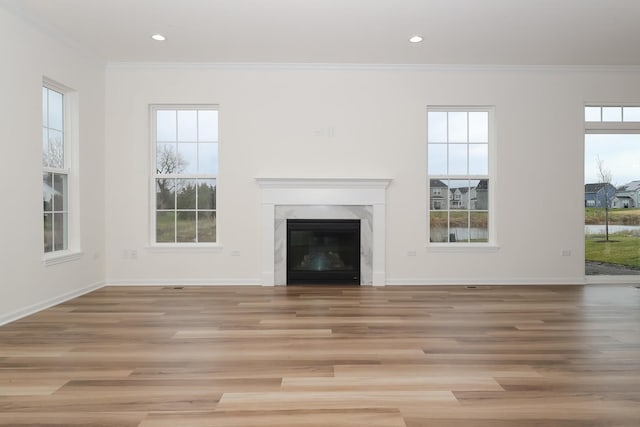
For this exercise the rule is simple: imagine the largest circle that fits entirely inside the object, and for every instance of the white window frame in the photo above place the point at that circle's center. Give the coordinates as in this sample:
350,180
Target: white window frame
171,246
70,169
492,243
612,127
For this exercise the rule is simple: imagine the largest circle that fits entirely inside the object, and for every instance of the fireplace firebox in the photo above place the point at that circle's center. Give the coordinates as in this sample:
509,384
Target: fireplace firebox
323,251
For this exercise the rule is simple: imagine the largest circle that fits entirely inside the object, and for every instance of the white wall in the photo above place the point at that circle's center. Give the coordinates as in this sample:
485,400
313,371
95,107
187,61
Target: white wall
294,121
28,55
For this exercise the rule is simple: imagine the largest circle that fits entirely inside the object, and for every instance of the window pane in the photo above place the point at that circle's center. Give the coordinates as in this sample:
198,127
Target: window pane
188,156
206,226
45,110
632,114
482,195
167,160
479,231
208,126
479,159
457,126
437,126
55,149
166,125
208,158
45,147
187,125
59,231
165,227
459,194
48,232
54,106
438,227
59,192
478,126
459,226
592,114
437,156
611,114
165,193
186,227
457,159
439,195
47,192
206,194
186,193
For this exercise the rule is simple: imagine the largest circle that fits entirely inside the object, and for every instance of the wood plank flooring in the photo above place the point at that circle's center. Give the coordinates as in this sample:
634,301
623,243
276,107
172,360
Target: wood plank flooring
327,356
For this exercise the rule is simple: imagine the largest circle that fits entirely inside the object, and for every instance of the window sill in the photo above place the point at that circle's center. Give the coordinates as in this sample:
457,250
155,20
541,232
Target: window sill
461,247
185,247
61,257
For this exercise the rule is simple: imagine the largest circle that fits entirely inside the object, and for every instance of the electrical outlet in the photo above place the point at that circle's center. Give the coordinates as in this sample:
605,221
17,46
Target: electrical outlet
411,253
566,252
235,253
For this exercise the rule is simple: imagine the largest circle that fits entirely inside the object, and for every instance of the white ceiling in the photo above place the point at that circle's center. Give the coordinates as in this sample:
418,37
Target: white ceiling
478,32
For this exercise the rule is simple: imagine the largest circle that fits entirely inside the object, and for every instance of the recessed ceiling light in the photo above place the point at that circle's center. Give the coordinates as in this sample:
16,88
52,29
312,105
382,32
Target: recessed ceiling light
415,39
158,37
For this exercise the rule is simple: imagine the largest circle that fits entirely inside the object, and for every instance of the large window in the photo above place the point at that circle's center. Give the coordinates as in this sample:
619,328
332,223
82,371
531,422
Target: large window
612,190
55,170
459,141
185,157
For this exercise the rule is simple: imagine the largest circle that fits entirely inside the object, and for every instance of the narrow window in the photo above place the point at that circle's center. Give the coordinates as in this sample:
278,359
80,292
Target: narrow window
185,164
55,170
459,143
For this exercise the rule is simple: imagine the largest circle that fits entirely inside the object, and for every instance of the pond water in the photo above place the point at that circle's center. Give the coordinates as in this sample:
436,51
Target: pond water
460,234
599,229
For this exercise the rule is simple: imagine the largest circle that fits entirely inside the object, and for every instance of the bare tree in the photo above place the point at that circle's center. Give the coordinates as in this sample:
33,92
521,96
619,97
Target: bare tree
168,161
605,177
53,154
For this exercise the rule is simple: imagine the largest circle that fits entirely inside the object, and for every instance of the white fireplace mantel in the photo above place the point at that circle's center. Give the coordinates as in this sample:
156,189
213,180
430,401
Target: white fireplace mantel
324,192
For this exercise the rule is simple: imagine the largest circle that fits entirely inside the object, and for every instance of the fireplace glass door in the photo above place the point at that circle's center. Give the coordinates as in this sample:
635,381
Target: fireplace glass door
323,251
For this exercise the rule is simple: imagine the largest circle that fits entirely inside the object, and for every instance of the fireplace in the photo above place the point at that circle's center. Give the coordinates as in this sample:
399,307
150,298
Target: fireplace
327,198
323,251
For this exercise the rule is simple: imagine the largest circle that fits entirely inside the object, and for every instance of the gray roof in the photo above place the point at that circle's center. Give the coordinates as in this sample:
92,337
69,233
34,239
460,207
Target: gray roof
631,186
436,183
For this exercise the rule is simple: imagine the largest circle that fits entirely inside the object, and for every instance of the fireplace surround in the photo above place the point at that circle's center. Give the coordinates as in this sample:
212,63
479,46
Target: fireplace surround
323,198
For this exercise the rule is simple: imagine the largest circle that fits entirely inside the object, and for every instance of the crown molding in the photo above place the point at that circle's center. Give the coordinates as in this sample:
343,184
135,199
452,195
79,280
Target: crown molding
370,67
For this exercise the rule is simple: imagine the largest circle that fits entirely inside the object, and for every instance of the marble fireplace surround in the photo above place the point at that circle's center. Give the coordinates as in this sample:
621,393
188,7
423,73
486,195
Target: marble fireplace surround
323,198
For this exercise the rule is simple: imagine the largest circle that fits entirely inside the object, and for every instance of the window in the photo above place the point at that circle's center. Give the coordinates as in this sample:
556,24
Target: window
459,141
55,169
611,190
612,113
185,159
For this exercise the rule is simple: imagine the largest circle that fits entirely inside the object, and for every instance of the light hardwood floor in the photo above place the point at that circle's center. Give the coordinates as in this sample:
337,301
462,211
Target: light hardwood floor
327,356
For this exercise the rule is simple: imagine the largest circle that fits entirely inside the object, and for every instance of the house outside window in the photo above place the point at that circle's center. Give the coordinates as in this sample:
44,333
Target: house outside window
185,164
459,143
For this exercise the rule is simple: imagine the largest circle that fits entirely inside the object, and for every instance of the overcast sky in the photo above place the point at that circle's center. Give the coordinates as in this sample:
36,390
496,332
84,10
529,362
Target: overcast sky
620,154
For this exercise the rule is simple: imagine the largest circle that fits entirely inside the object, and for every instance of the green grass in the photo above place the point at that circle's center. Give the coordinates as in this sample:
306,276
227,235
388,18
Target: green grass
620,249
616,216
185,231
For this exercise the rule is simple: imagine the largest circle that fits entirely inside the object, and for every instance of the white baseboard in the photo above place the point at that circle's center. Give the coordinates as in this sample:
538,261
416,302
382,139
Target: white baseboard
34,308
183,282
491,281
